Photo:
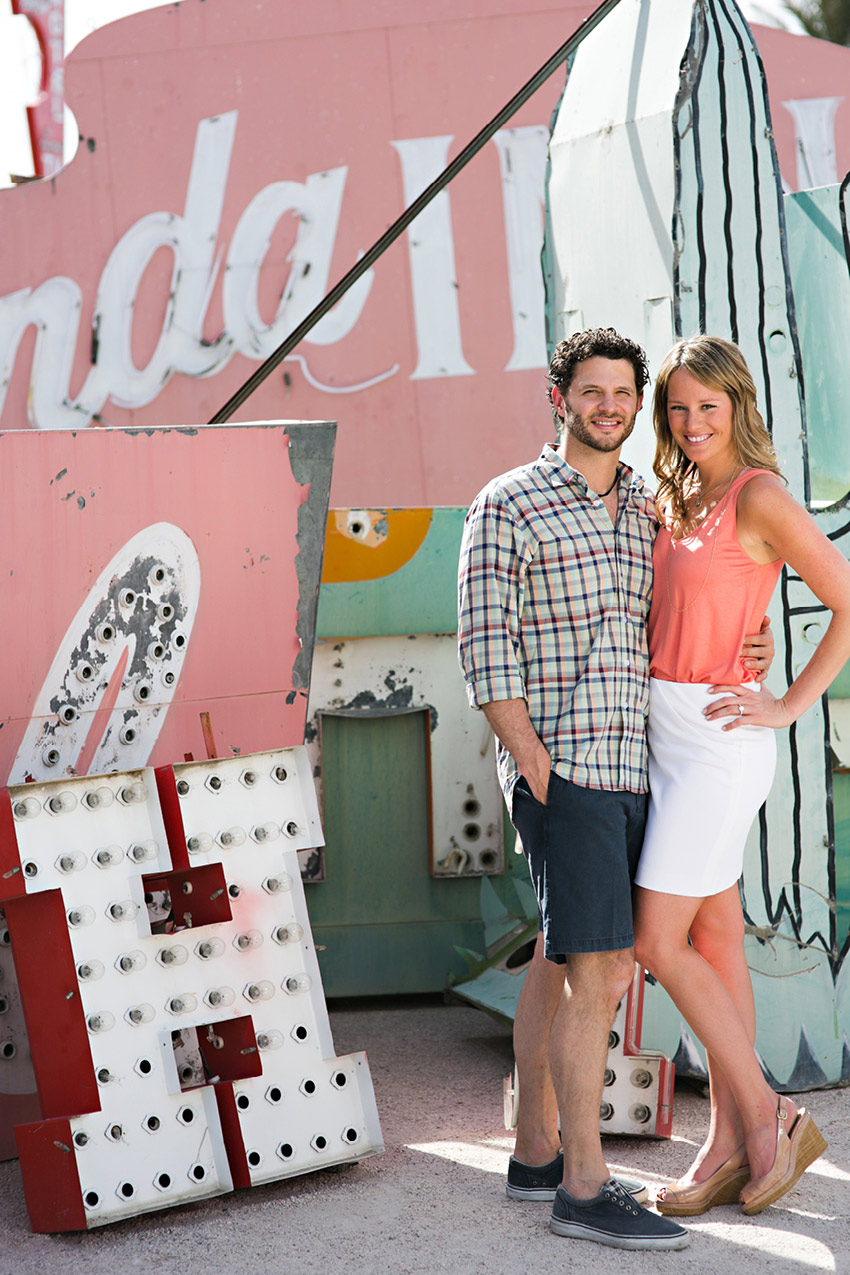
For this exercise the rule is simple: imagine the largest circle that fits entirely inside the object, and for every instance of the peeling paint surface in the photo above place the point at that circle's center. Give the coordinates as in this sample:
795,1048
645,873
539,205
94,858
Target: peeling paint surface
368,544
311,456
405,584
182,591
135,625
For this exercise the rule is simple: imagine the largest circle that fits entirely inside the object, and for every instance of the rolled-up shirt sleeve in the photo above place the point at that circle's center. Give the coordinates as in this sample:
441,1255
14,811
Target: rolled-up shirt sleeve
493,561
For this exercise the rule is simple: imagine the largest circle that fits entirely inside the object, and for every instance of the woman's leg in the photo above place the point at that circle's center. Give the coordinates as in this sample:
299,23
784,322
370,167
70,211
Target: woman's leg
713,1010
717,933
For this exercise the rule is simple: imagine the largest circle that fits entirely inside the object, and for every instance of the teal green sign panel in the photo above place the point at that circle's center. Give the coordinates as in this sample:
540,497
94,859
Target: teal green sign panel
420,597
381,923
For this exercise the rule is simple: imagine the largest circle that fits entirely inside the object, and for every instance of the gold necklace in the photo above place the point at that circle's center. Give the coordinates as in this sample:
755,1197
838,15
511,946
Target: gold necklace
719,514
703,496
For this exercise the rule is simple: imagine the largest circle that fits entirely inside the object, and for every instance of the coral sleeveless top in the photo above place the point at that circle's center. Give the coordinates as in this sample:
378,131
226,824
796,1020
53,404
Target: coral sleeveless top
707,594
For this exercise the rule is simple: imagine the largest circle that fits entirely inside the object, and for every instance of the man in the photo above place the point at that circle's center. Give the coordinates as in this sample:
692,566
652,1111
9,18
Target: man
555,585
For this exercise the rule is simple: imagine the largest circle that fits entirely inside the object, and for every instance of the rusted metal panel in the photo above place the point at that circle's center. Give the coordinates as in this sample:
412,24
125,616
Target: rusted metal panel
382,676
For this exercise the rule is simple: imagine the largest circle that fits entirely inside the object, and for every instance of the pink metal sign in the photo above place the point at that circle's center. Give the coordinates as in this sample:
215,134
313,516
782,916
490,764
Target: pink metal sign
236,159
165,584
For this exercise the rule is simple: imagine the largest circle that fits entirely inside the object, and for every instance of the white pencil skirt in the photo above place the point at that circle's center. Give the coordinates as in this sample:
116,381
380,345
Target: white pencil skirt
706,787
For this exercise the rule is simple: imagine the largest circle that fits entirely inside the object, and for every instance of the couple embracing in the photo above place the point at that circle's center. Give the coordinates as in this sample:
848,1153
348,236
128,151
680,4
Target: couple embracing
615,643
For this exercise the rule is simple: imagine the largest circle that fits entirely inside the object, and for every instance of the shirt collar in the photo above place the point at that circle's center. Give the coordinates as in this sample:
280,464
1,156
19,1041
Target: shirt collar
562,474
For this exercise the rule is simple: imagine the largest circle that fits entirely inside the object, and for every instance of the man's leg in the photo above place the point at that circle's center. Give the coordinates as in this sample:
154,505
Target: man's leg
537,1137
578,1050
580,847
581,894
589,1206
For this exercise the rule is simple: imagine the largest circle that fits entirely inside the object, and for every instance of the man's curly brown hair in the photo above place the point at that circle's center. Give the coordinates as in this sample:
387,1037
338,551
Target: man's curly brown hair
603,343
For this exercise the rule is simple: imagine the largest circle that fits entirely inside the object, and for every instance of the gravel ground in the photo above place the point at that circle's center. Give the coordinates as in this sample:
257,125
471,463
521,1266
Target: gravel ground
435,1200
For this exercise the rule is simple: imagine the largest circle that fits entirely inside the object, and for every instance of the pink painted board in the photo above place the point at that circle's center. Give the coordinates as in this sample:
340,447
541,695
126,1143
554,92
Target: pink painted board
187,550
322,120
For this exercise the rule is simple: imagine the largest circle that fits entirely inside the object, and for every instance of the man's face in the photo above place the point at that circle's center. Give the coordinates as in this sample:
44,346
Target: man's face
601,404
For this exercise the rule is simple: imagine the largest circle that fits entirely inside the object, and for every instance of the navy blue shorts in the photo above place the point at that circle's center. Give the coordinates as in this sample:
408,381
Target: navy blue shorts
582,848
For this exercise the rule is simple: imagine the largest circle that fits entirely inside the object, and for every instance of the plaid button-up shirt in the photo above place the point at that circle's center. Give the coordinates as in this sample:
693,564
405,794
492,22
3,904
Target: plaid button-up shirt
554,602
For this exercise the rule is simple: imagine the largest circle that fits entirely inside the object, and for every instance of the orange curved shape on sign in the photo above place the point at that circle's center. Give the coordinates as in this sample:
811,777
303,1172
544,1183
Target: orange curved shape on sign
366,544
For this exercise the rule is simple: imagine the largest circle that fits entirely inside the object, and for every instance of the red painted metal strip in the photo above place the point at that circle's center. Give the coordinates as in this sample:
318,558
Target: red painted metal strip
172,816
229,1050
56,1027
51,1181
198,895
15,1109
664,1114
232,1133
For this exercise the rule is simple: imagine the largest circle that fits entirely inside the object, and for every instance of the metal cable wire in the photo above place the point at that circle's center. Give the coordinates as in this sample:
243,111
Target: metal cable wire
411,213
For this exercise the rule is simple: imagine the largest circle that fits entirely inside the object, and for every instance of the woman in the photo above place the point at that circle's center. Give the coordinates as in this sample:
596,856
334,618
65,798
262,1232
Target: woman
728,526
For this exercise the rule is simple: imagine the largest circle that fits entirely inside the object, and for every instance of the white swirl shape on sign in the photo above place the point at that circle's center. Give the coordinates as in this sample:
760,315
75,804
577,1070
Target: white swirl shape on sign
137,621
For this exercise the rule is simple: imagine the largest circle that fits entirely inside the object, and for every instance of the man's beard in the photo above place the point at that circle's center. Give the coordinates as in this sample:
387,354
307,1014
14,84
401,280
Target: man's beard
579,428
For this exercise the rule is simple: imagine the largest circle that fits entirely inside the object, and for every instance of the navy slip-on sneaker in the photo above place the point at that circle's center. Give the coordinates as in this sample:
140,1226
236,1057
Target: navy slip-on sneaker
612,1217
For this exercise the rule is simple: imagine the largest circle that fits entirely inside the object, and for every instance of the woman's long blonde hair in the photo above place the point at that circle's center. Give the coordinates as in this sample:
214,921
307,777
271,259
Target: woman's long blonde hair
719,365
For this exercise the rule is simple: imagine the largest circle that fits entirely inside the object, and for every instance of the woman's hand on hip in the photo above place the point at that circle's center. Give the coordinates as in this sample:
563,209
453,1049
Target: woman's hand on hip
747,708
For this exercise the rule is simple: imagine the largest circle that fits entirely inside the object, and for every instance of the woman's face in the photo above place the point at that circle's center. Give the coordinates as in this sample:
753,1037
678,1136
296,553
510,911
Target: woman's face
700,419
